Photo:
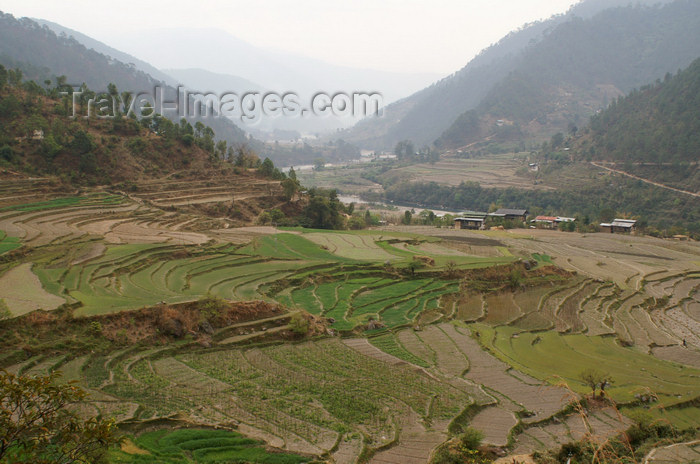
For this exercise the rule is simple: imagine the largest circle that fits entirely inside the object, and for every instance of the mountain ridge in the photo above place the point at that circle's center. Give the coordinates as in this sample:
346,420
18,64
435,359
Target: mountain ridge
426,115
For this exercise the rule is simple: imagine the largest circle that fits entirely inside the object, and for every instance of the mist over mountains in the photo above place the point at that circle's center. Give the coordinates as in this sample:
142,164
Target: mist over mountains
543,78
577,61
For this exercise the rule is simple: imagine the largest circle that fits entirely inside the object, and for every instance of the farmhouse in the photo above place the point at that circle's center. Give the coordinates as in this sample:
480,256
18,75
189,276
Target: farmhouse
469,223
472,220
510,214
550,222
619,226
546,222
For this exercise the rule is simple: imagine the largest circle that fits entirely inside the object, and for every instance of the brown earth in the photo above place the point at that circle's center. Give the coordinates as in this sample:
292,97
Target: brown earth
156,325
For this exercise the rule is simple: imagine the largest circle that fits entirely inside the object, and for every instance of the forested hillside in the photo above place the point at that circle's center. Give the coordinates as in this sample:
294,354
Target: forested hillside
41,55
659,123
578,69
653,133
39,137
545,76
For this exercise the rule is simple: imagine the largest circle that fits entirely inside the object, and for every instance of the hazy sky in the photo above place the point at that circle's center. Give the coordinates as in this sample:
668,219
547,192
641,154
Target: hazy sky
436,36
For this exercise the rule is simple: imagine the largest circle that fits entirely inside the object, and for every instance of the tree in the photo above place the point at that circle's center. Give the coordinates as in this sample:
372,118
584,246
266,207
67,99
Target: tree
319,164
407,218
292,174
267,168
61,84
356,223
299,324
82,141
3,76
39,426
368,217
450,269
607,214
594,378
405,149
245,157
290,188
221,149
6,153
557,140
14,76
463,449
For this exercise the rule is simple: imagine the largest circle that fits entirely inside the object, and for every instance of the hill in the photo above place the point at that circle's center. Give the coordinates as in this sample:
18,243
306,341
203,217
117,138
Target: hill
204,80
542,77
41,54
578,68
106,50
653,132
39,137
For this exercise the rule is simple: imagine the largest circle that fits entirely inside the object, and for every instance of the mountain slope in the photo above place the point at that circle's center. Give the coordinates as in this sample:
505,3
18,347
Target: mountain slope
425,115
106,50
222,53
37,136
23,40
653,133
578,68
207,81
41,55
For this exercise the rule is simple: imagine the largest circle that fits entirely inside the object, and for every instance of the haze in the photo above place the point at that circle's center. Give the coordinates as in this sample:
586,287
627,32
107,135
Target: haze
407,36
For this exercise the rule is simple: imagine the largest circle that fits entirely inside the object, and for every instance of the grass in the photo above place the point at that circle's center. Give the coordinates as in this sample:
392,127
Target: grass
90,200
132,276
8,243
198,446
683,417
352,246
391,345
289,246
549,356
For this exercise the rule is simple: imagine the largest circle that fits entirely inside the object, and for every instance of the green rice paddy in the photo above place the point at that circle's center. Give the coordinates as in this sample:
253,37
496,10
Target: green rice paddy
199,446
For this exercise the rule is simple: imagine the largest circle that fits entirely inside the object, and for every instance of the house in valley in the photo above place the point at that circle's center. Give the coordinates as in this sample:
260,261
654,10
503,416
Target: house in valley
472,220
619,226
510,214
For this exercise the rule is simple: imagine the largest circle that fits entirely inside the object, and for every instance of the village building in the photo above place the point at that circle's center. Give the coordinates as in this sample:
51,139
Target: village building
471,220
619,226
469,223
551,222
545,222
510,214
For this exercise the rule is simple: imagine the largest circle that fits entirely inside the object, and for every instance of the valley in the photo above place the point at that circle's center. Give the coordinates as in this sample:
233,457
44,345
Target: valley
502,266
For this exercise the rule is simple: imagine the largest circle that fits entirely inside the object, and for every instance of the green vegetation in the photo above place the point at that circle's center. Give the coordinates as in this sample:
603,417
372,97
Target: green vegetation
8,243
391,345
657,124
633,445
550,356
90,200
199,446
39,423
464,449
590,200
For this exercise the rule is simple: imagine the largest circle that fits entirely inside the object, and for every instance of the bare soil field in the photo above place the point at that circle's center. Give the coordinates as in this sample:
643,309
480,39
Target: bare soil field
492,171
23,292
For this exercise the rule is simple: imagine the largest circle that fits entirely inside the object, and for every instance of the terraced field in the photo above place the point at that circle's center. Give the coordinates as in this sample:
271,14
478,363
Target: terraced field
92,251
292,396
202,445
423,354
